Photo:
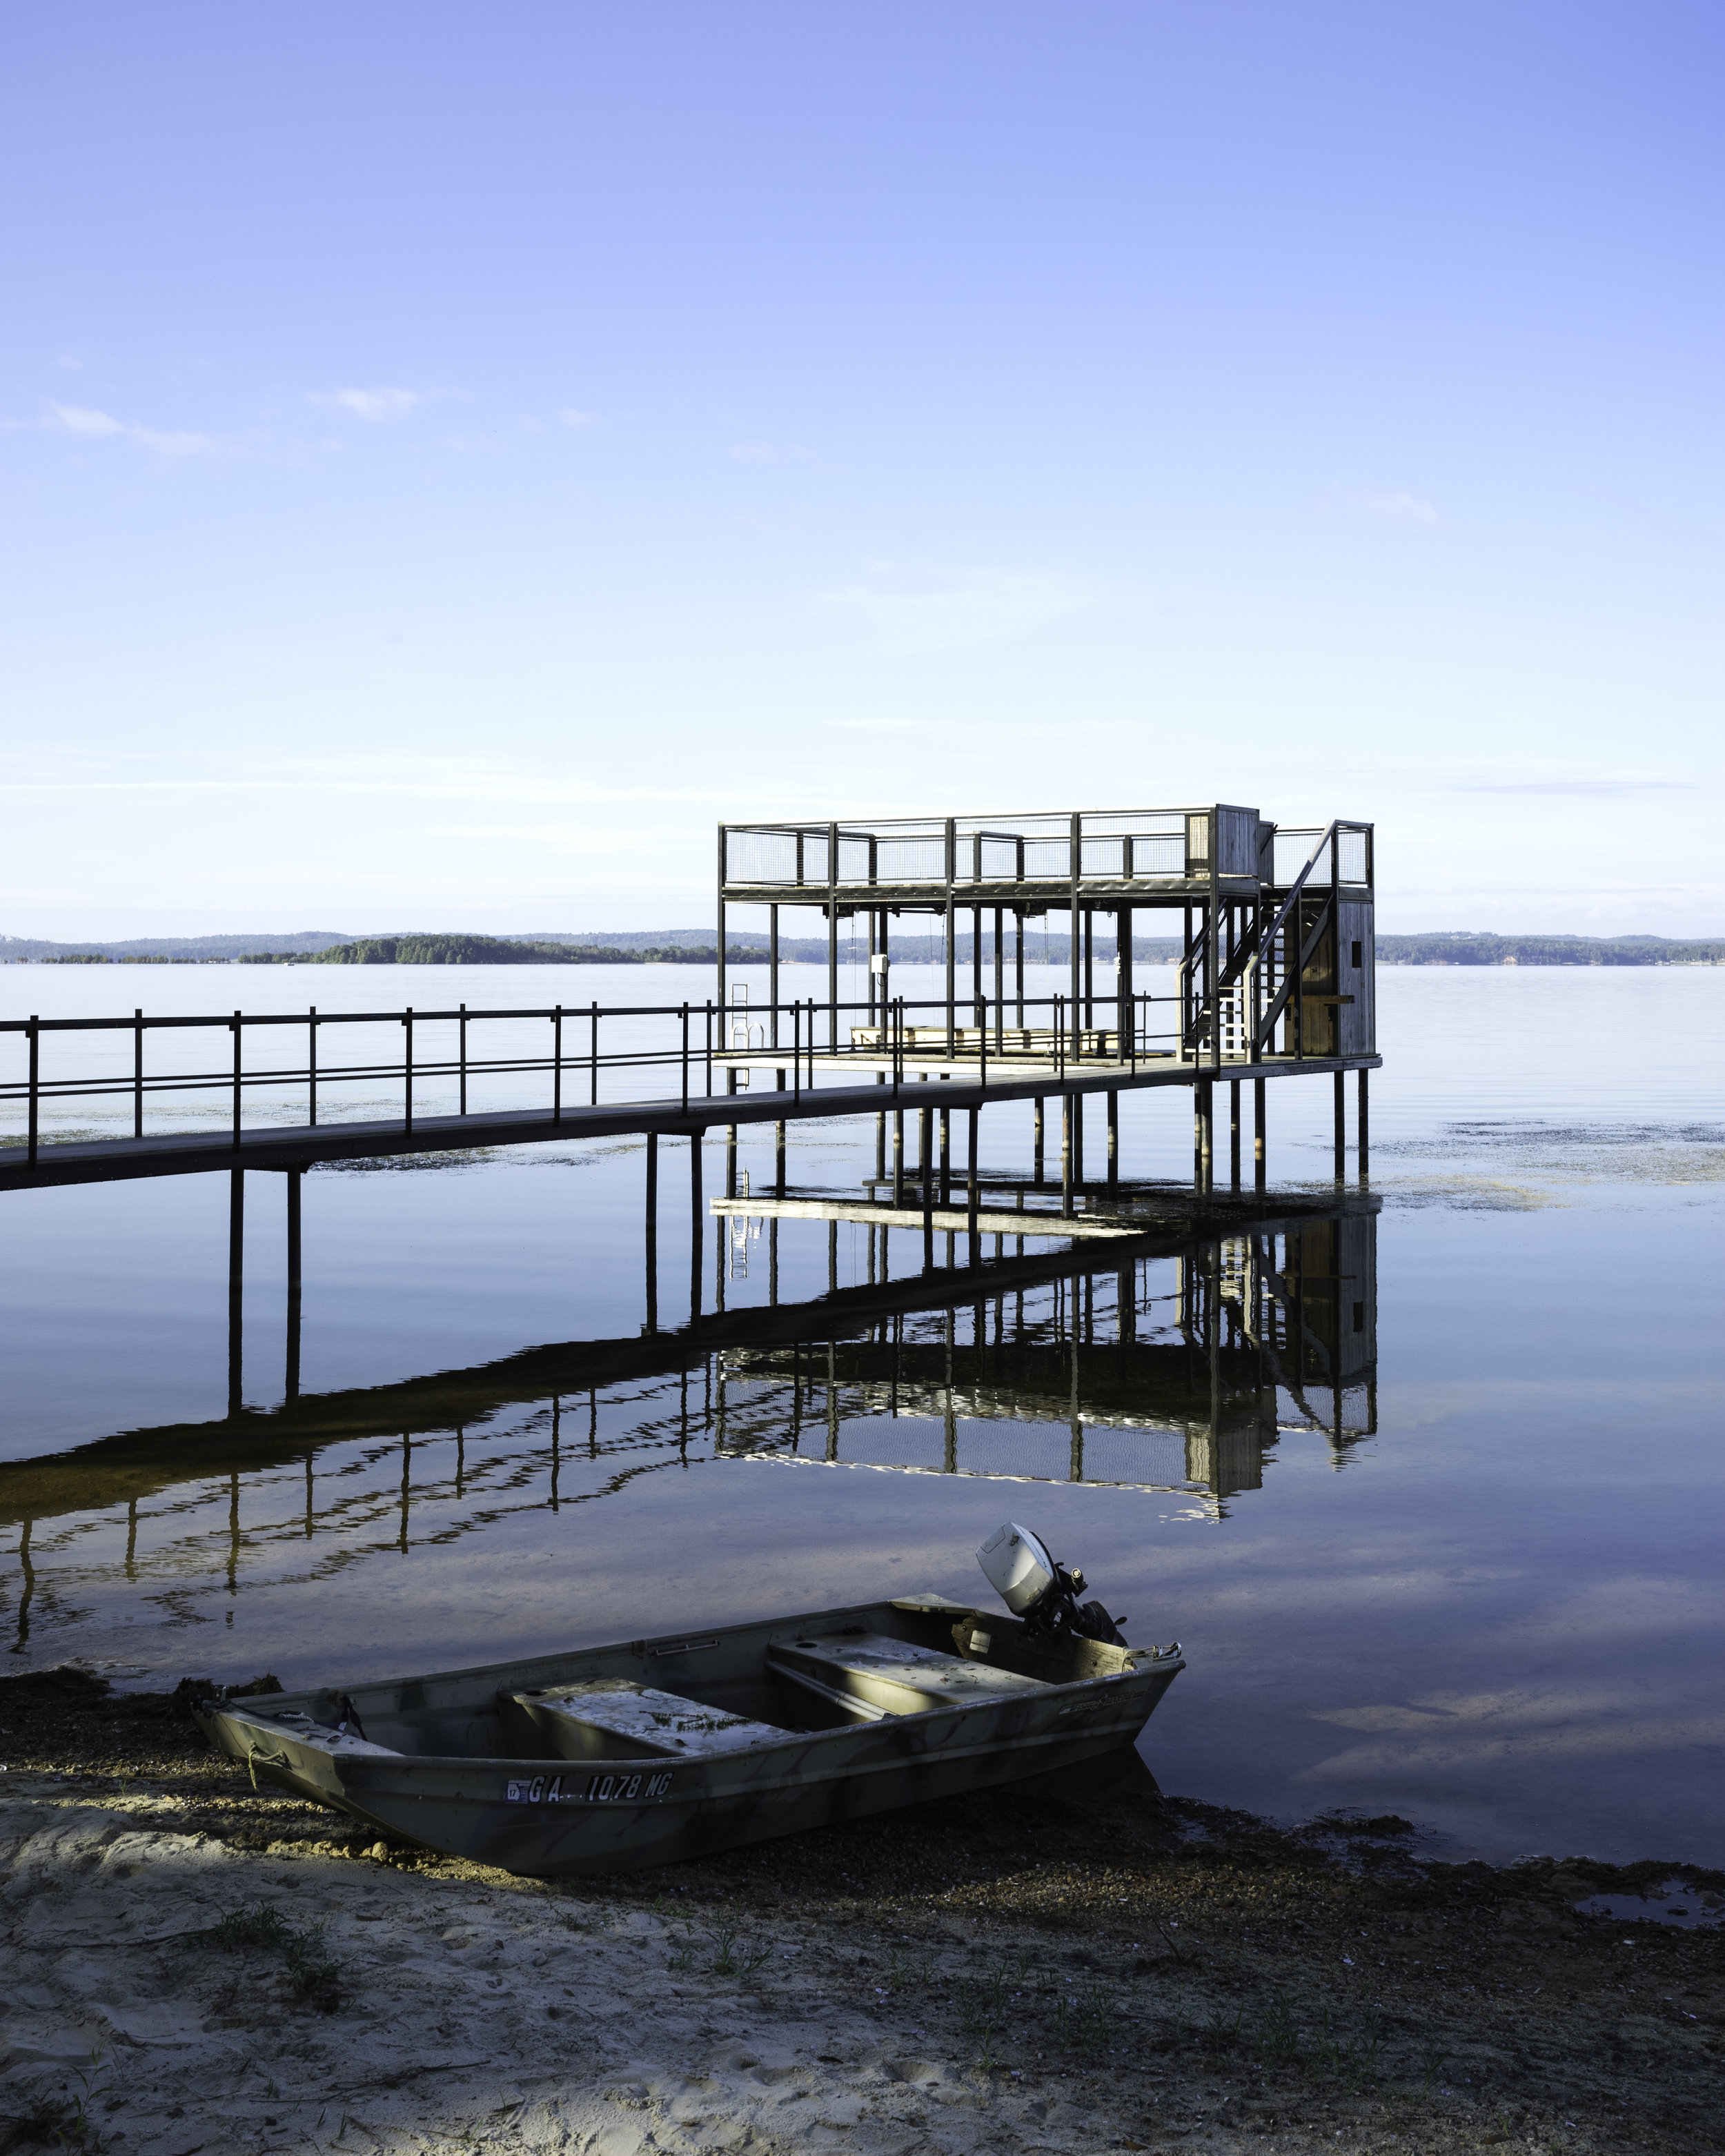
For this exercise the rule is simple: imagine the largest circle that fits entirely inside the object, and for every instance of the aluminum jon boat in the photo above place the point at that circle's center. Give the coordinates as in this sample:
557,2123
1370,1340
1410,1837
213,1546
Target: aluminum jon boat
611,1759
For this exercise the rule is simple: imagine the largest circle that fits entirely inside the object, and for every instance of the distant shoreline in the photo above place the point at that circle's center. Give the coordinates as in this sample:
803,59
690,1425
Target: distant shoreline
696,947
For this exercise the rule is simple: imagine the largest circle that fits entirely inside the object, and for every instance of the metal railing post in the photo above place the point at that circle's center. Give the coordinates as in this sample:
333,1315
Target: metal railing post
238,1023
557,1063
407,1067
796,1051
137,1073
35,1083
464,1058
593,1021
709,1045
311,1064
685,1059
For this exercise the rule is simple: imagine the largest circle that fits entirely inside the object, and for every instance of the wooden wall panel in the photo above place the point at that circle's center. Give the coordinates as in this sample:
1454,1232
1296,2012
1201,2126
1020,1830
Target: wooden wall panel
1358,1029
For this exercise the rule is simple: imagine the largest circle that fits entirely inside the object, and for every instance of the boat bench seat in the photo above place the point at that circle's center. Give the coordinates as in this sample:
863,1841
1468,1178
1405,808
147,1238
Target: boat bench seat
615,1718
327,1736
871,1675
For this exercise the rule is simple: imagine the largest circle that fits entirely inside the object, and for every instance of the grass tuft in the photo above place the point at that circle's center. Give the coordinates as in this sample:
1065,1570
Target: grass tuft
312,1973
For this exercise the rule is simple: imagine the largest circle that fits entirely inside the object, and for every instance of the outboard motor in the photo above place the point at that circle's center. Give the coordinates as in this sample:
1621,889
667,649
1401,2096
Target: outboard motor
1042,1594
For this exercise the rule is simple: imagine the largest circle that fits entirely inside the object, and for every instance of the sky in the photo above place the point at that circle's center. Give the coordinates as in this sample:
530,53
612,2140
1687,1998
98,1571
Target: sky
453,456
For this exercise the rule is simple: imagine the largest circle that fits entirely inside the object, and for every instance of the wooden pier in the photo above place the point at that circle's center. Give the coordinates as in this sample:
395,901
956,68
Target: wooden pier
1276,981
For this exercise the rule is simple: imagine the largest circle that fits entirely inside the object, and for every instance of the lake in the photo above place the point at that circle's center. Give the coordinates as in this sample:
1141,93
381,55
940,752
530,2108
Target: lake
1475,1581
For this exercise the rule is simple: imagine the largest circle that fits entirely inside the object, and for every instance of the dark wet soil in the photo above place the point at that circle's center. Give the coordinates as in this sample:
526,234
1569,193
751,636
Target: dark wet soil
1193,1969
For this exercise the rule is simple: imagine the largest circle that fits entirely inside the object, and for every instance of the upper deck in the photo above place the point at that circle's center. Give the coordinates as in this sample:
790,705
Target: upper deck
1094,859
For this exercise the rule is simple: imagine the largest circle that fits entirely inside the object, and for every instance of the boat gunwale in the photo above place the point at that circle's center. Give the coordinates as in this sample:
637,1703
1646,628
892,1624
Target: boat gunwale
385,1759
247,1714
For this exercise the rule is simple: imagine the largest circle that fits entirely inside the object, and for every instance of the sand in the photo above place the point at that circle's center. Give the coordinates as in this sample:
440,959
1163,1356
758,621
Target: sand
189,1964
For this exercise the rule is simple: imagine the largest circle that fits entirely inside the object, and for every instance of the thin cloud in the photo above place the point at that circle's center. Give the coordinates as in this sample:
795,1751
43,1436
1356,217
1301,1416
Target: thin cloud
1400,509
376,407
1397,507
944,610
89,425
467,780
570,416
78,419
1603,788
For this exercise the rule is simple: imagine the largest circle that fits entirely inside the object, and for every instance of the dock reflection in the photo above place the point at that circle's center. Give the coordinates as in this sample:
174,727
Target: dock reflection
1171,1373
1173,1360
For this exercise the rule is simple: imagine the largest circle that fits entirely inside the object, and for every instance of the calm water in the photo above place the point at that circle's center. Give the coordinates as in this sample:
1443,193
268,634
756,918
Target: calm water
1476,1581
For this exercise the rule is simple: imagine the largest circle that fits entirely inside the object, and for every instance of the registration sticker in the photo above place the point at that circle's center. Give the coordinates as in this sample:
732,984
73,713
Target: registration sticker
589,1789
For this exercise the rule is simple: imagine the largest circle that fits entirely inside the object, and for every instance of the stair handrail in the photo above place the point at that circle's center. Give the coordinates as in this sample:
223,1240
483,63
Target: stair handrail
1240,969
1267,940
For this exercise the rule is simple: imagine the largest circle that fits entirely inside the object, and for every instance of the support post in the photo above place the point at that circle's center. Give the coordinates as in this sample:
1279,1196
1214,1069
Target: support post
1113,1138
236,1284
951,928
1037,1106
1066,1156
975,1193
295,1177
653,1231
898,1159
1365,1168
1259,1156
945,1156
724,991
1075,867
925,1141
1018,963
694,1229
951,1462
1233,1135
1204,1136
832,942
772,980
1341,1131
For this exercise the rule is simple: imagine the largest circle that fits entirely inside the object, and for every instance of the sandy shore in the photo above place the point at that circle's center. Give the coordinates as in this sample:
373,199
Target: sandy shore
190,1965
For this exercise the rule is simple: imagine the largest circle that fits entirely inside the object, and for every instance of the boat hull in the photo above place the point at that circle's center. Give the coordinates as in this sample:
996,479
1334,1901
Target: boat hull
556,1817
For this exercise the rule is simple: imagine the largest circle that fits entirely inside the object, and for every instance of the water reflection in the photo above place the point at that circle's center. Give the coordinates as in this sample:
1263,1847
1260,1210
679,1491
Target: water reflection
1175,1373
1172,1361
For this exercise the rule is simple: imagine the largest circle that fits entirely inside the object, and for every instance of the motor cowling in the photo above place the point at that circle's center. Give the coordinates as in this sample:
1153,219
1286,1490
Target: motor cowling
1040,1591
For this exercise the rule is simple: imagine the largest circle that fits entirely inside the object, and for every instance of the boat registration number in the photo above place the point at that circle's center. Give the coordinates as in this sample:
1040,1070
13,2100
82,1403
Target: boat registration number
588,1789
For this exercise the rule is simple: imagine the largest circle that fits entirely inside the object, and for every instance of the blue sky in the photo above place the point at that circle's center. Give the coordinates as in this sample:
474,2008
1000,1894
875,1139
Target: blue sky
453,455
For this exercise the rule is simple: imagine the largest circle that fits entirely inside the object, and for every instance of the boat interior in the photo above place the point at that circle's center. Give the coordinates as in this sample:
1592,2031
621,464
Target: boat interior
704,1697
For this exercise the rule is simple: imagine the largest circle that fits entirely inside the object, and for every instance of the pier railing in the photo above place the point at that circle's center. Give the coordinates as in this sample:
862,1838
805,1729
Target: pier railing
412,1064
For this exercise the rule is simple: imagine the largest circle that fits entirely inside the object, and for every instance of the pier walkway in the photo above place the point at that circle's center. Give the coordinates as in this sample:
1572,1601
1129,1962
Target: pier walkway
288,1147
